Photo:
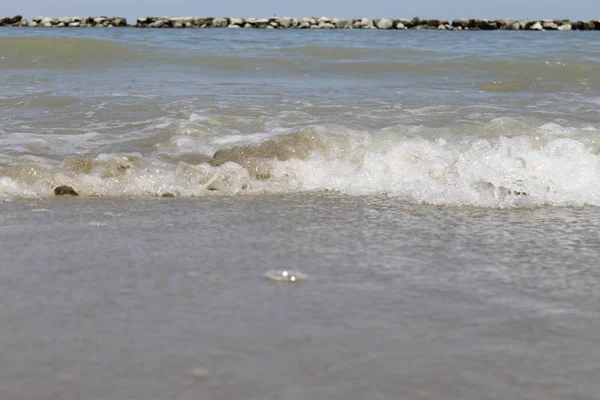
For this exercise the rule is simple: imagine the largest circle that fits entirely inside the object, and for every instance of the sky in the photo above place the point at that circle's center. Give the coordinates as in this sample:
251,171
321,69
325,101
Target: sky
439,9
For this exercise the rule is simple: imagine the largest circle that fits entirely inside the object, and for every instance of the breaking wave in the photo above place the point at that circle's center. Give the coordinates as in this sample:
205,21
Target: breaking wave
553,166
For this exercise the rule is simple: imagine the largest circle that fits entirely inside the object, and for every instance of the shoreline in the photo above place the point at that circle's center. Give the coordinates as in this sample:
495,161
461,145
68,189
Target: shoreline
304,23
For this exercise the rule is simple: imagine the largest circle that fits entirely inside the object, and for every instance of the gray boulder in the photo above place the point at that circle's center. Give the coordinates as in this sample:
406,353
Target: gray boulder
326,25
536,27
384,23
515,26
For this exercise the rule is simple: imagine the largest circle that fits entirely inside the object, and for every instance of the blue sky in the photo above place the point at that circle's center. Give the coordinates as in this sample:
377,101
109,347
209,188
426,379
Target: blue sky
131,9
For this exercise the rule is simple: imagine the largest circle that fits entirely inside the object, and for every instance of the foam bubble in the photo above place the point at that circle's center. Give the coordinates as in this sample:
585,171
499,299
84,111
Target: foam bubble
96,224
287,276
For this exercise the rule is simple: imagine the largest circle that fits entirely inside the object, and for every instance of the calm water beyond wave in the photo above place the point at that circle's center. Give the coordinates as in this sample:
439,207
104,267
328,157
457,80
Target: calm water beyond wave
438,191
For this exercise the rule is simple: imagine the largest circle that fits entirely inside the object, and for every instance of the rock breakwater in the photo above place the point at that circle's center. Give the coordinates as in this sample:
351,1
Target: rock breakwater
364,23
307,23
64,22
17,20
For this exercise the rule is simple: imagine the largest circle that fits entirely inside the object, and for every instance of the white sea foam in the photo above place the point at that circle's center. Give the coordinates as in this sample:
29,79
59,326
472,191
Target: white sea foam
548,164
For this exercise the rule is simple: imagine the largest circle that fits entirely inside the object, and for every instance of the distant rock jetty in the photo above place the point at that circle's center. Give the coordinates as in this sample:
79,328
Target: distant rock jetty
306,23
64,22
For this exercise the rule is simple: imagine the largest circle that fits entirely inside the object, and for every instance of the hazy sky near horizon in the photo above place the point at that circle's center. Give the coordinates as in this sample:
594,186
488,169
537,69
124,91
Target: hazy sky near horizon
131,9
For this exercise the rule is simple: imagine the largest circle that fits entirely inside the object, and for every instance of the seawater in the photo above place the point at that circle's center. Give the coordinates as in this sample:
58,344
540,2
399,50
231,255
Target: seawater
497,119
437,192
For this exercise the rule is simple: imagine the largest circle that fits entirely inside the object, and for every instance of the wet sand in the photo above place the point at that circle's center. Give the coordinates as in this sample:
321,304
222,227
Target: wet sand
112,298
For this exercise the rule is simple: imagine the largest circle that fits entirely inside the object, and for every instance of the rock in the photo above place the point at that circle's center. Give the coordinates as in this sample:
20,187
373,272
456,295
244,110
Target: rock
366,23
463,23
286,22
11,21
486,25
400,25
384,23
549,26
236,21
325,25
406,22
504,24
199,21
120,22
492,25
74,24
167,194
441,28
343,23
220,22
536,27
65,190
233,26
65,20
515,26
586,25
565,27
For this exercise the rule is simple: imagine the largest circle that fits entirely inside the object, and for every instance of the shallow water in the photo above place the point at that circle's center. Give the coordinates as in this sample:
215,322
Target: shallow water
436,194
454,118
126,298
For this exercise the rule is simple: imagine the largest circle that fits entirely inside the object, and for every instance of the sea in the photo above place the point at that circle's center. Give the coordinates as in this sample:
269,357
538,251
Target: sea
299,214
